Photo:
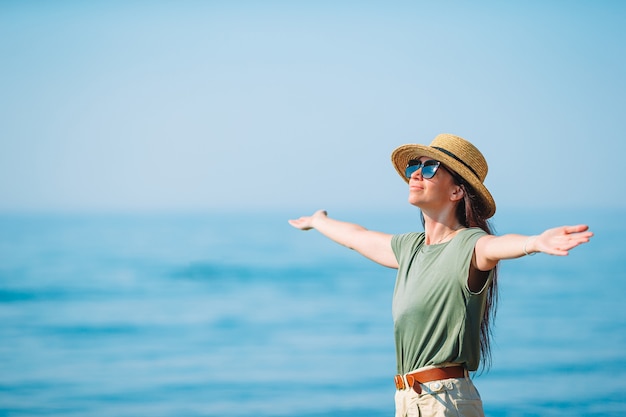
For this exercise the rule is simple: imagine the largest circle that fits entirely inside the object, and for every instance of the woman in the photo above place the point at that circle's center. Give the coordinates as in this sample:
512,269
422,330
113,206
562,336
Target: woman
444,297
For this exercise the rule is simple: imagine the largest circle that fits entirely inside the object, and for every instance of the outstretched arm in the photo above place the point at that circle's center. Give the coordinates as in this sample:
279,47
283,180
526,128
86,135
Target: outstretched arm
373,245
557,241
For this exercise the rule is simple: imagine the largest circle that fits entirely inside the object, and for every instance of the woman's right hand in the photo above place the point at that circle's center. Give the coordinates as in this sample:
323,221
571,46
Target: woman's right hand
306,222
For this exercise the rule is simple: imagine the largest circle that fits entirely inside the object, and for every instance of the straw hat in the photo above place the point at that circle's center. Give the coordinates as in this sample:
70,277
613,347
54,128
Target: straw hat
456,154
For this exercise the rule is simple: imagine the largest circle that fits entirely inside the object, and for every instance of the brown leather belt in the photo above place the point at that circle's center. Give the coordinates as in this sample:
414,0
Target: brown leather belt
421,377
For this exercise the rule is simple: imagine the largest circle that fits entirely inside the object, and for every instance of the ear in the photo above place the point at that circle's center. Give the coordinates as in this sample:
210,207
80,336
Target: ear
458,192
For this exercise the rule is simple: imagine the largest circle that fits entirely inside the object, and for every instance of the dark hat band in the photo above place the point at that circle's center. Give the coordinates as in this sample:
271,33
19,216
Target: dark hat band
450,154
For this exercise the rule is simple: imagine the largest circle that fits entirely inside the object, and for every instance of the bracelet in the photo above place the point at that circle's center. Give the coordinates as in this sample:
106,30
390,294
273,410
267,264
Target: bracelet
524,248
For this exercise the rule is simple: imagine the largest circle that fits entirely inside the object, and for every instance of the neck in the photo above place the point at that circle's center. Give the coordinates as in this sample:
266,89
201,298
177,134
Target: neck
441,228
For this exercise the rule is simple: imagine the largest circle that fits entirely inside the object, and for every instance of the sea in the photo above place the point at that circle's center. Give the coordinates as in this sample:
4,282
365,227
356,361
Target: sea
239,314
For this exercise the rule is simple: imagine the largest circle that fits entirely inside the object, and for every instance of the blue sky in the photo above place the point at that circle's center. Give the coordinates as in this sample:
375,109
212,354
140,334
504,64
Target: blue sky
263,105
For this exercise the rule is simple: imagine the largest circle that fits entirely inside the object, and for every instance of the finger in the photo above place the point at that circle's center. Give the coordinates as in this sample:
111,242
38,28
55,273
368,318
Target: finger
586,235
302,223
580,237
296,222
576,229
575,242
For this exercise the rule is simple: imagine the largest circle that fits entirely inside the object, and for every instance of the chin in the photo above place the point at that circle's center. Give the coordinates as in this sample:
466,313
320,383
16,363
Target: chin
413,201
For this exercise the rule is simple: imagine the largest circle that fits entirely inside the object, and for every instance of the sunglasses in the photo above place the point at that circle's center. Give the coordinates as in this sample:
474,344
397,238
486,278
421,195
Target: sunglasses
429,168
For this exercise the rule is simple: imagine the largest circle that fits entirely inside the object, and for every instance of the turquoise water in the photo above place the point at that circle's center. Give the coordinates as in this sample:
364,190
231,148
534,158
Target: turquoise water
240,315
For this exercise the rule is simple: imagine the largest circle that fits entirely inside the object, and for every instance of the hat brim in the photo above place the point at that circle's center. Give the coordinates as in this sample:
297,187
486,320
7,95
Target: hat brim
401,156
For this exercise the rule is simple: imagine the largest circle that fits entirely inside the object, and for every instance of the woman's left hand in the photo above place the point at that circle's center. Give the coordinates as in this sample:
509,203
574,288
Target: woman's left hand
559,240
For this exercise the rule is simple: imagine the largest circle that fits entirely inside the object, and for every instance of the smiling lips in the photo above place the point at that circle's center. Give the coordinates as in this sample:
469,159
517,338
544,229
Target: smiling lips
415,186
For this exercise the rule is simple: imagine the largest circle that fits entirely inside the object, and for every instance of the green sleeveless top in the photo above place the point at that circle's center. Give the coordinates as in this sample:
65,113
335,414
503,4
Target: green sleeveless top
436,316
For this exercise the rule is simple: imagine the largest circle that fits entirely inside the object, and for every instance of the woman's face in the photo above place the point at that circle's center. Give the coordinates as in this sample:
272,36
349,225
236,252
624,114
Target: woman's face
436,193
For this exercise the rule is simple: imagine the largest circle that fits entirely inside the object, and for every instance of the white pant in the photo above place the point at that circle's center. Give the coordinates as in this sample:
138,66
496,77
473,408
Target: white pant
447,397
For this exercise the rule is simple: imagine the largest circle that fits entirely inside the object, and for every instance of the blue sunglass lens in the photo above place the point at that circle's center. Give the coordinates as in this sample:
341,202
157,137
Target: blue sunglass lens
428,171
411,169
429,168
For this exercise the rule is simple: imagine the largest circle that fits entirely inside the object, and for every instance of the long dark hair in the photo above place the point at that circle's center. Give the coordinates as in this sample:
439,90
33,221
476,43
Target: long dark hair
471,212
